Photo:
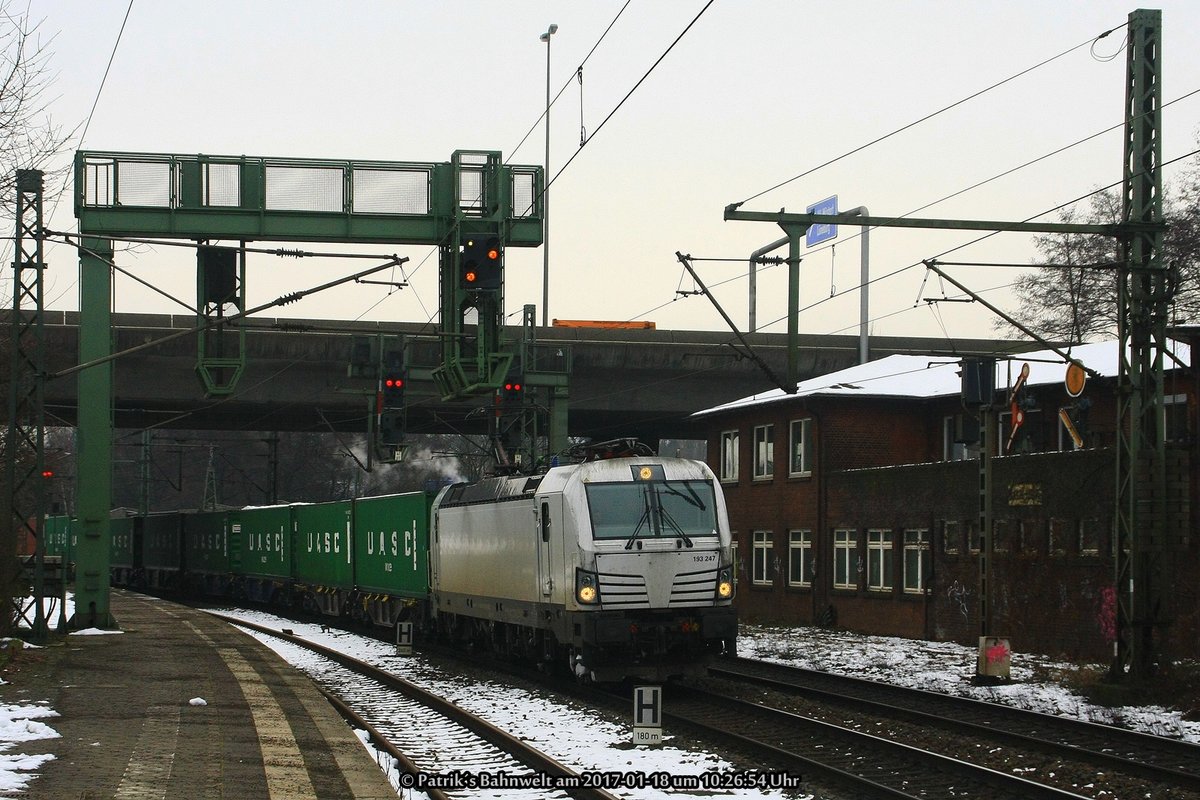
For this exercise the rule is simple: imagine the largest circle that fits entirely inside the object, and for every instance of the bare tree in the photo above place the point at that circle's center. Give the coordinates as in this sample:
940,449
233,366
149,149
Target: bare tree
29,137
1073,296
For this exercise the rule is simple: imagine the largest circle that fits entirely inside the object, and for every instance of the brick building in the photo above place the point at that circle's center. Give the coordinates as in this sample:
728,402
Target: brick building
855,502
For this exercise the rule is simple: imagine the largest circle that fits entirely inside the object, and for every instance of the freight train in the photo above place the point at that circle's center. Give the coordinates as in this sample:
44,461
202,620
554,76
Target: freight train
613,568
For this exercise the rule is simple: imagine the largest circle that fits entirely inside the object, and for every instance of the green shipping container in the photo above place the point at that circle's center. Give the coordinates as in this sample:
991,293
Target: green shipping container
162,550
391,544
58,537
323,553
260,541
120,551
205,542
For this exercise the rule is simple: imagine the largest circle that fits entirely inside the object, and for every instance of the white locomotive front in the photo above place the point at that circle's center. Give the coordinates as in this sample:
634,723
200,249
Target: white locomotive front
618,568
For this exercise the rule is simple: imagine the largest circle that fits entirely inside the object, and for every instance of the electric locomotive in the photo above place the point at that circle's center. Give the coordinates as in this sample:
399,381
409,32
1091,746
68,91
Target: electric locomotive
619,568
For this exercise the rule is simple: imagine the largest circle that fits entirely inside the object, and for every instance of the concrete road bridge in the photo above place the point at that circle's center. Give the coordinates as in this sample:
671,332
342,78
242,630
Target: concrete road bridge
642,383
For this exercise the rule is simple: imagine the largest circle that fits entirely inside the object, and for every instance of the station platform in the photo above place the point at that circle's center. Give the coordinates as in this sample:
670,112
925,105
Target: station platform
129,731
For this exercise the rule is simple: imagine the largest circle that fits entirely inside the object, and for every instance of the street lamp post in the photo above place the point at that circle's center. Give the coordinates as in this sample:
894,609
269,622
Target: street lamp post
545,37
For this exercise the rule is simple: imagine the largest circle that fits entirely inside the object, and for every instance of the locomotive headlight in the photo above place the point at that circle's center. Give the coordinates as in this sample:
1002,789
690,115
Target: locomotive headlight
587,588
724,584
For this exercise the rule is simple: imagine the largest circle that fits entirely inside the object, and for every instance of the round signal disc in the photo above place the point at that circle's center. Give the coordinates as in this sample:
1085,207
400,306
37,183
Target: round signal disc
1075,379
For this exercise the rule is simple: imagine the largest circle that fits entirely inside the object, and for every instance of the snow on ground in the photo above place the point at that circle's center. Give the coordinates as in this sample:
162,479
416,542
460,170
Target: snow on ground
19,722
582,738
948,667
585,740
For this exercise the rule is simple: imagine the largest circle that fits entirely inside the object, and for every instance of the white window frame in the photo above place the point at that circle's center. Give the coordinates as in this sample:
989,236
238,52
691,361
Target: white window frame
762,565
951,537
1174,400
729,456
1090,528
764,452
1059,531
800,557
845,558
880,549
917,540
800,448
952,450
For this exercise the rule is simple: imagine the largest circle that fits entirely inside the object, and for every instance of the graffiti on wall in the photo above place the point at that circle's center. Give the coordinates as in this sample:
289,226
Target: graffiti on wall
1106,614
958,595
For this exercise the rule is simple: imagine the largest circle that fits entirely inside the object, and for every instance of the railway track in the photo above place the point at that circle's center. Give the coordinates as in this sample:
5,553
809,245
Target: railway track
862,764
492,759
1164,761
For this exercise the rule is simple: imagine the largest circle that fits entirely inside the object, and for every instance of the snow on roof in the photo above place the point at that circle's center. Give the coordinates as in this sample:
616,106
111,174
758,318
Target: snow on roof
923,377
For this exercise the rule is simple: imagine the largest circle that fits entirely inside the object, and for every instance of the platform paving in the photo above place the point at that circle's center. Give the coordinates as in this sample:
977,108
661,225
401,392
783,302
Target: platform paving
129,730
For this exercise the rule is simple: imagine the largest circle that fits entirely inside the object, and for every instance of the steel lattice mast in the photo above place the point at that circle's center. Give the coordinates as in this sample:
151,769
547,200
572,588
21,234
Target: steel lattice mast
1144,294
25,464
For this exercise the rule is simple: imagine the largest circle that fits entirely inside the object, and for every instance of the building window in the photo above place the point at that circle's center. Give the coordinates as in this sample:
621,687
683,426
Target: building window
764,561
1028,438
1031,535
1059,533
1001,532
729,456
973,538
1089,537
800,447
916,560
951,537
845,559
1175,425
953,429
879,560
764,452
800,563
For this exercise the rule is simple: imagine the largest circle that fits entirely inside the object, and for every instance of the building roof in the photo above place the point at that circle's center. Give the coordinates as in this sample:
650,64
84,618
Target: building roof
925,377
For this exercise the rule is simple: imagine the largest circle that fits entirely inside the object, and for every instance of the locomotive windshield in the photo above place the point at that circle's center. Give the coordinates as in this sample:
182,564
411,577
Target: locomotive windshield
631,511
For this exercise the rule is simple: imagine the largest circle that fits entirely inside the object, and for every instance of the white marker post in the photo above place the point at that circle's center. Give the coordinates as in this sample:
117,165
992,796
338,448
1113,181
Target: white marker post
404,639
647,715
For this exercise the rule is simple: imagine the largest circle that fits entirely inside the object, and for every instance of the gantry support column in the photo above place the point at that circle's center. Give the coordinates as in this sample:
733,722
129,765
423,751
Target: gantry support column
1144,295
94,436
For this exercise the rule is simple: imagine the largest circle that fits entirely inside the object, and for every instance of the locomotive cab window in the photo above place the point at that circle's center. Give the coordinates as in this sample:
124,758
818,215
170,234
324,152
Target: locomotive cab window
652,509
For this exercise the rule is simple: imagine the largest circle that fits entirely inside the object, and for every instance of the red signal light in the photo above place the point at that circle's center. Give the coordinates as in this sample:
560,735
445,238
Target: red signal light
47,474
393,383
512,387
493,254
470,276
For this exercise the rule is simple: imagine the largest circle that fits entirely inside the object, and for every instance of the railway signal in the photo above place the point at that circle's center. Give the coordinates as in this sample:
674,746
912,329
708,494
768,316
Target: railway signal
481,264
391,428
392,380
512,394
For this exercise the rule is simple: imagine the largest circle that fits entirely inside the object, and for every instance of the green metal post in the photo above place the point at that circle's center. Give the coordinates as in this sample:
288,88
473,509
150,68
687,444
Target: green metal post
25,485
94,440
794,234
1143,304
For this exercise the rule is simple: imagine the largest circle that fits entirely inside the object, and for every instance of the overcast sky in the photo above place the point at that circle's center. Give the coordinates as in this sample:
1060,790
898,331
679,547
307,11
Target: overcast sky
758,91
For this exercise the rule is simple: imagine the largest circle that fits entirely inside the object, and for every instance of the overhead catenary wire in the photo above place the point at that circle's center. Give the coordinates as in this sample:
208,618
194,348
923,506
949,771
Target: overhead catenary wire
979,239
577,73
623,100
933,203
96,101
927,117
